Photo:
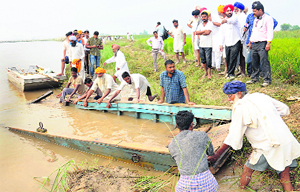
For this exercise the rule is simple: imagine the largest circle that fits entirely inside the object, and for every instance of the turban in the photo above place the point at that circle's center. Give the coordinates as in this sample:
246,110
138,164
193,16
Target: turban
239,5
77,63
233,87
115,46
202,9
228,6
69,33
79,32
197,7
206,11
99,70
72,38
221,8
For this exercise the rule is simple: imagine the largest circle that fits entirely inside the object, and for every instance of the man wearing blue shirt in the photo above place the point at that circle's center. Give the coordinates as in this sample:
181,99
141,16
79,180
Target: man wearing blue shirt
173,85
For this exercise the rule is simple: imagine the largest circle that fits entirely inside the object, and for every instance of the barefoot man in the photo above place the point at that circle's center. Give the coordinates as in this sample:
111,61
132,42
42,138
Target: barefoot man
258,117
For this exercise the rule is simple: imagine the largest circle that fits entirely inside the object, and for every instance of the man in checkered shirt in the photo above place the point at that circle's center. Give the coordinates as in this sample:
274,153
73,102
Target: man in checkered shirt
173,85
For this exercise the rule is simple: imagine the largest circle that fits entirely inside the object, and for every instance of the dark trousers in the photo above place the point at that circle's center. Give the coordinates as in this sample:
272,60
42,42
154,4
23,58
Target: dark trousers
232,53
260,60
87,62
249,61
205,55
242,61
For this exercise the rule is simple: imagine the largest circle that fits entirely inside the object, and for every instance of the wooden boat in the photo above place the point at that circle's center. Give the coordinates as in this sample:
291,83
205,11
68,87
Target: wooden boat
157,158
33,78
162,112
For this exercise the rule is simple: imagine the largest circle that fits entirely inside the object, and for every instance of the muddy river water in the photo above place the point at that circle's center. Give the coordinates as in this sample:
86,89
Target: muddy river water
22,158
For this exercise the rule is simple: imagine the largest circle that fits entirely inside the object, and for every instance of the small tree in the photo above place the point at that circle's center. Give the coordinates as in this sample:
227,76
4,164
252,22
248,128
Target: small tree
295,27
286,27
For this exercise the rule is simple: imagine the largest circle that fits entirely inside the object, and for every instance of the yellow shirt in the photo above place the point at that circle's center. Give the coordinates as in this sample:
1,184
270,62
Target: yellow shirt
77,81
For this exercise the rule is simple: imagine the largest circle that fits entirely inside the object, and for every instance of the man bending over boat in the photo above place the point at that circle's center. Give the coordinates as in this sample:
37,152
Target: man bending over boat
106,84
258,117
89,83
173,85
121,63
189,149
137,83
77,82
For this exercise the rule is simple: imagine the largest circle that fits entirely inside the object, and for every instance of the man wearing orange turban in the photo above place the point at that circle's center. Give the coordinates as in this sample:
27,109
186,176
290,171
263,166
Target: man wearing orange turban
106,84
121,63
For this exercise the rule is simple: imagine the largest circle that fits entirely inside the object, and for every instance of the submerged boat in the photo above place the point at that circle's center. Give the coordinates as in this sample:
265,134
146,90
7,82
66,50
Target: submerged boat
162,112
156,157
34,78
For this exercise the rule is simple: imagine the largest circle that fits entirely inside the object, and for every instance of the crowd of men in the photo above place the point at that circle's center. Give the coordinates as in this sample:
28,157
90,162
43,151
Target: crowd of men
240,39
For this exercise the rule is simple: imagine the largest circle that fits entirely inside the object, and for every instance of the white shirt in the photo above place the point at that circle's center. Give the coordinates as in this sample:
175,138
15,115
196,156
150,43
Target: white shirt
195,22
66,47
120,60
157,43
262,29
231,31
178,37
85,40
76,52
258,116
137,81
106,82
206,40
160,30
216,33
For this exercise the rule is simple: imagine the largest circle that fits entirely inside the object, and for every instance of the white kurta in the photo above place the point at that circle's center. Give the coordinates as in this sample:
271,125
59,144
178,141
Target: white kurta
137,81
258,116
178,38
77,52
121,63
106,82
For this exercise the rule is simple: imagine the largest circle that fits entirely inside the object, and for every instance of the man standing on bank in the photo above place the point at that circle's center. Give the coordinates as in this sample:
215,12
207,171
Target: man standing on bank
232,39
261,38
258,117
179,40
205,31
95,45
157,47
173,85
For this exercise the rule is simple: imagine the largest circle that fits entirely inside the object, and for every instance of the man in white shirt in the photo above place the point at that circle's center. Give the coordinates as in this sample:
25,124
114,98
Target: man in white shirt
138,85
231,39
258,117
66,53
193,24
121,63
205,32
76,56
261,38
128,37
157,47
179,40
86,52
107,86
239,11
89,83
160,29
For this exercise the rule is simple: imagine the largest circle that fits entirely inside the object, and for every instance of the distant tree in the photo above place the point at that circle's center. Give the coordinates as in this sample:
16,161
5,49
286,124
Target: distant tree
295,27
144,33
286,27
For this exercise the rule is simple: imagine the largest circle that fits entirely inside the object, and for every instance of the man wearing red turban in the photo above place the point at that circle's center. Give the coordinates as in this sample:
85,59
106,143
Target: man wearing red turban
232,40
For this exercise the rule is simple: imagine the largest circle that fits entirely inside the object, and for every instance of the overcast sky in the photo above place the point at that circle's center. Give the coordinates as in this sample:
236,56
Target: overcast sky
41,19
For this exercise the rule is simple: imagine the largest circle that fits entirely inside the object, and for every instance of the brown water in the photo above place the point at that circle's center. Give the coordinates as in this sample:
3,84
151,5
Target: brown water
22,157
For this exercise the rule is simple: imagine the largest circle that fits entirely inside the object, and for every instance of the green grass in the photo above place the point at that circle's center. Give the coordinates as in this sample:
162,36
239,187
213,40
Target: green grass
286,34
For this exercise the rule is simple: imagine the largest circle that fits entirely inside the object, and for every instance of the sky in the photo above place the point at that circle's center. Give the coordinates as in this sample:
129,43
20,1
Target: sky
44,19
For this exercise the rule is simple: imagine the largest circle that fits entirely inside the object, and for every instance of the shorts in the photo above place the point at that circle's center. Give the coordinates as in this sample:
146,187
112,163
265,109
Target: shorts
262,165
205,55
148,93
